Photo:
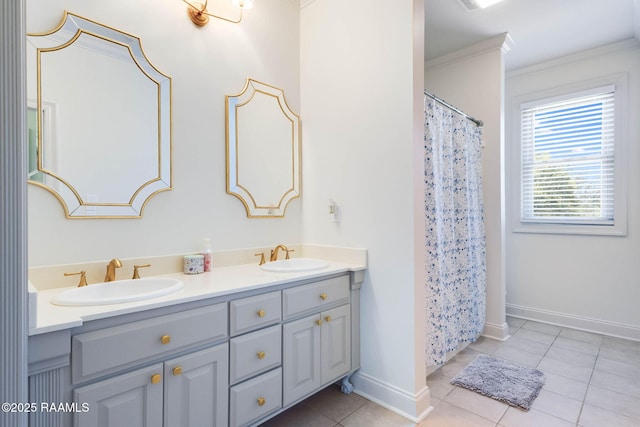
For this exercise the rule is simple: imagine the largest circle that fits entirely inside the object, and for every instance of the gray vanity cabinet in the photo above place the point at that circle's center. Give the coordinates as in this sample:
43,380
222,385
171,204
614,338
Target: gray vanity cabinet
253,399
335,343
192,389
255,353
234,360
98,353
196,389
127,400
301,358
185,390
317,348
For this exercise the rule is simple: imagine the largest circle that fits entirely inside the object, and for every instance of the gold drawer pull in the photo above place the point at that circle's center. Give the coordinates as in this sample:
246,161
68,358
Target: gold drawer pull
319,322
328,318
156,378
323,296
165,339
177,371
261,313
261,355
261,401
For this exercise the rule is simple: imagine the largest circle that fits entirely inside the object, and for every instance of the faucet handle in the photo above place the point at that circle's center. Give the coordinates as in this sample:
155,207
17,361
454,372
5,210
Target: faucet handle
261,255
288,250
136,274
83,277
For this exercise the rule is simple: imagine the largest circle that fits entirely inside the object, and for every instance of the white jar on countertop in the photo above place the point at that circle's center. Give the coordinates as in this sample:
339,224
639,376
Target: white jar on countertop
193,264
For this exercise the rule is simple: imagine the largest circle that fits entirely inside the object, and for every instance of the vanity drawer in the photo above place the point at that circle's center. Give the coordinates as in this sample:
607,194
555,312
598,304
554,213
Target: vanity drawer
315,296
253,353
107,350
255,398
255,312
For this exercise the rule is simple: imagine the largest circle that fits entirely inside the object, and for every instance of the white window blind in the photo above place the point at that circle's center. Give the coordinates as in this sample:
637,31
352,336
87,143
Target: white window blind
568,159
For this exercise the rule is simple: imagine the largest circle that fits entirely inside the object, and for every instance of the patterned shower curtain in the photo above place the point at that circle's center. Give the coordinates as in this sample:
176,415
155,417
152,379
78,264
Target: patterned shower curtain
454,225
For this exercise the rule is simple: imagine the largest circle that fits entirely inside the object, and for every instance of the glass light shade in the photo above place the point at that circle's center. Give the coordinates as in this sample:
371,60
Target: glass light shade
486,3
242,4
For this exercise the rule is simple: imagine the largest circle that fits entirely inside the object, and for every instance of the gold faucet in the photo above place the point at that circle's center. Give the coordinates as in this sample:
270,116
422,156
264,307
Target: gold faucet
274,252
111,270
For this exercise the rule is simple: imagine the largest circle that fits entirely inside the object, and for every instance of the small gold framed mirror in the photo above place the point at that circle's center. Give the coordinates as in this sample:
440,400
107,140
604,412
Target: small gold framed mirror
263,149
100,126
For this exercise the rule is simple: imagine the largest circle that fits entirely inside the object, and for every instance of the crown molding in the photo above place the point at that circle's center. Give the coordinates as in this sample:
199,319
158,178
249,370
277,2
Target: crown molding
629,44
502,42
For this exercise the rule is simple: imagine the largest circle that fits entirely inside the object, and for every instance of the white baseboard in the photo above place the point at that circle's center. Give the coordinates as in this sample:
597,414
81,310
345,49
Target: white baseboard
497,332
414,407
450,355
598,326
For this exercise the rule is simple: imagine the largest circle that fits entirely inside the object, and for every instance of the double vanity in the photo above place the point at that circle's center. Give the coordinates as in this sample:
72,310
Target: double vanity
231,347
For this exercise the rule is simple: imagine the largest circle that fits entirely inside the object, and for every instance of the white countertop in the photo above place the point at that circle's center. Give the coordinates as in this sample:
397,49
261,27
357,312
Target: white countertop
220,281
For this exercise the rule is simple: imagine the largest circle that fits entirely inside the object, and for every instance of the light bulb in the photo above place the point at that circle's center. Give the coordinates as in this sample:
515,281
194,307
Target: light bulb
486,3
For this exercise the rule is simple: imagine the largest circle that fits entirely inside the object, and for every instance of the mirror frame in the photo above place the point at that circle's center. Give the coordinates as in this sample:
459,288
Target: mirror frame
256,208
64,35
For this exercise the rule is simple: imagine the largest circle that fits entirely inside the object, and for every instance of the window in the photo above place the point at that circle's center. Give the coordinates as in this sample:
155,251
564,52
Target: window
568,161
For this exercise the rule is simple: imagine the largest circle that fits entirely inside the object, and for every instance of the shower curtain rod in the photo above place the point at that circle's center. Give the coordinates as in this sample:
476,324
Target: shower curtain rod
451,107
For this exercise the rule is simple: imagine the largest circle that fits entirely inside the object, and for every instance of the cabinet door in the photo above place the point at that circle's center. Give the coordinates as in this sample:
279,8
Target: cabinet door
301,358
132,400
335,343
197,388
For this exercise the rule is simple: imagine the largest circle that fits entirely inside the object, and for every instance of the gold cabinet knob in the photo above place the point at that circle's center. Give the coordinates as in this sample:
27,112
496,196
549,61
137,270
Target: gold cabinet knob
261,313
328,318
319,322
261,401
177,371
165,339
261,355
323,296
156,378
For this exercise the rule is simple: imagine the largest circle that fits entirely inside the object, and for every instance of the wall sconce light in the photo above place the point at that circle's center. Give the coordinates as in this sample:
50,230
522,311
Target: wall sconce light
479,4
199,14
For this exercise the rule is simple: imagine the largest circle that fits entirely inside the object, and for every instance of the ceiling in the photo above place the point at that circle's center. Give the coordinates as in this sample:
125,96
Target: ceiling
540,29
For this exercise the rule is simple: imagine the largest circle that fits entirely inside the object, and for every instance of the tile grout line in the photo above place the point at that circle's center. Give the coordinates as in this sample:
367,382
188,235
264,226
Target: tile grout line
505,412
584,398
537,367
597,356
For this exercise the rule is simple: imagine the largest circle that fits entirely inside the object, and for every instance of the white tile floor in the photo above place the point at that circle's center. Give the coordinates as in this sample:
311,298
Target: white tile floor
591,381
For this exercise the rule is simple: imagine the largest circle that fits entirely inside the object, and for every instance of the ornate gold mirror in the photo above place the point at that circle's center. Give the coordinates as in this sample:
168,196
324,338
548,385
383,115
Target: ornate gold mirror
263,150
100,125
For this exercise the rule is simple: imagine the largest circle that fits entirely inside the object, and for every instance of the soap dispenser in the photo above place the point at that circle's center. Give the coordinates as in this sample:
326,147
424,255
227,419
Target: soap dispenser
206,251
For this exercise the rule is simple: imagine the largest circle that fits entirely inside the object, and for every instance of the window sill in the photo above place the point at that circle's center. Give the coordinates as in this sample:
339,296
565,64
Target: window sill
588,230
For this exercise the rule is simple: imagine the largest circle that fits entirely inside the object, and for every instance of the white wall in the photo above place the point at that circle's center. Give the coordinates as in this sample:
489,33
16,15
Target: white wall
472,80
589,282
361,73
356,79
205,64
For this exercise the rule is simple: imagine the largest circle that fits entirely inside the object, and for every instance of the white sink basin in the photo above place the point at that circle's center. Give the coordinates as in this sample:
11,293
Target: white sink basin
295,264
117,292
